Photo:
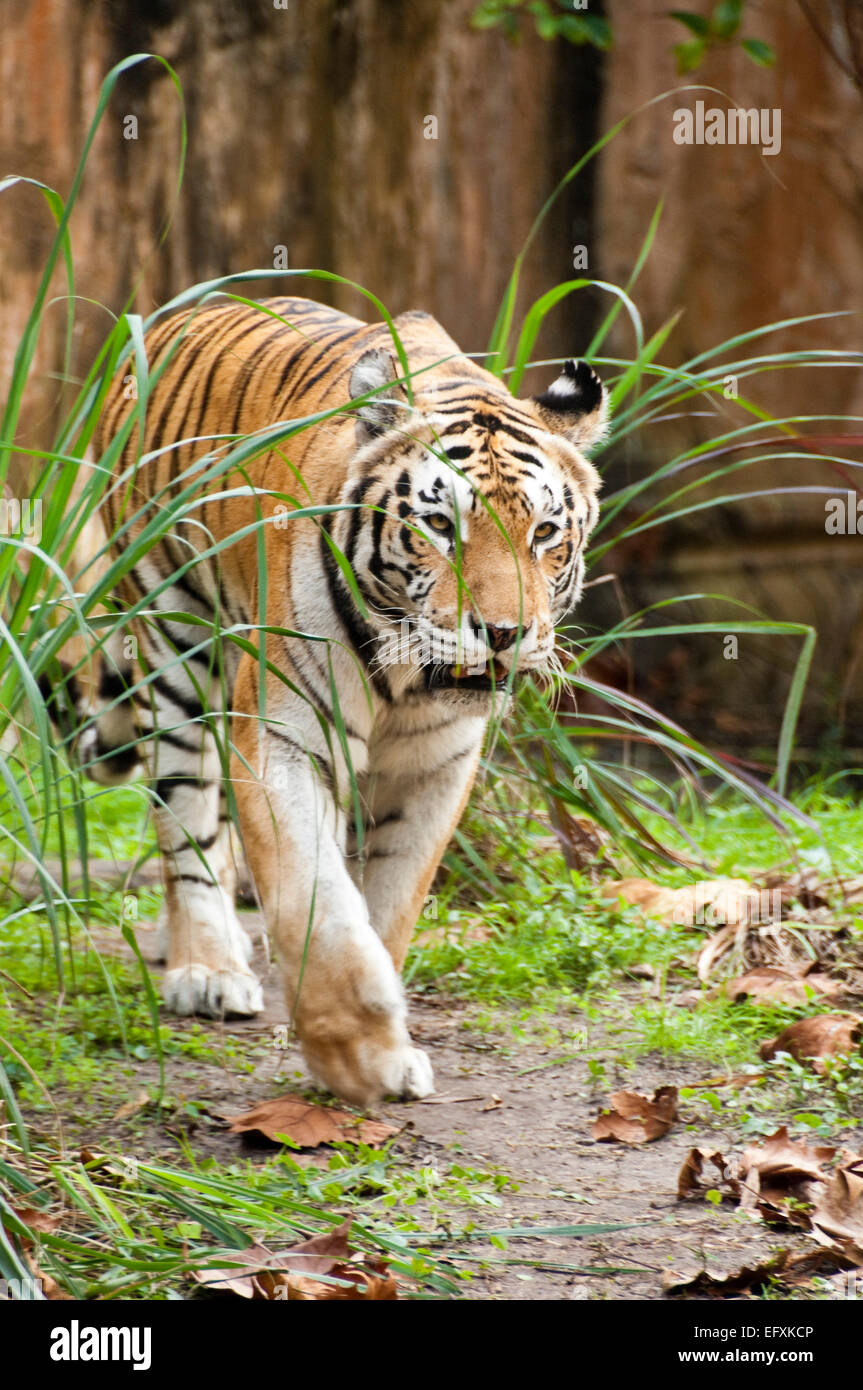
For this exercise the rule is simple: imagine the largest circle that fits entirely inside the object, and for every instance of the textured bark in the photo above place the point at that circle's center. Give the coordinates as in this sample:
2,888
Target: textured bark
307,129
744,241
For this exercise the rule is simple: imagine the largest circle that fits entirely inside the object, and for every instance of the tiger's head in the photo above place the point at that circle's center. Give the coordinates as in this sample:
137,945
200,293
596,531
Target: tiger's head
479,508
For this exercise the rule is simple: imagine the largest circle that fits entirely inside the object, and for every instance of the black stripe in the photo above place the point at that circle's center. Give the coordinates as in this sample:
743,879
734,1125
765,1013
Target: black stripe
248,371
179,645
112,684
194,843
164,787
166,736
218,347
306,380
125,757
192,707
320,763
361,636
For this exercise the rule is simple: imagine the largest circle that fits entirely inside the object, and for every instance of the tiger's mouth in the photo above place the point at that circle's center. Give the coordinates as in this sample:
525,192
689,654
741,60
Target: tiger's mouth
489,676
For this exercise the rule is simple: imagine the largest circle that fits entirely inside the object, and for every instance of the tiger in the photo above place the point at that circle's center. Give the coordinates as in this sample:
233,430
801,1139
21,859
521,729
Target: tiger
421,500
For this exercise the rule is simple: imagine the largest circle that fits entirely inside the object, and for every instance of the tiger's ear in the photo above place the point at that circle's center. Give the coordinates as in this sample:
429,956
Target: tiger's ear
377,370
575,405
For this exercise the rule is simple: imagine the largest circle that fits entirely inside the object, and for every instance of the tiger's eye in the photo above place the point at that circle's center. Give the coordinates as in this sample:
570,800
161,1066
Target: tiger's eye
440,523
545,531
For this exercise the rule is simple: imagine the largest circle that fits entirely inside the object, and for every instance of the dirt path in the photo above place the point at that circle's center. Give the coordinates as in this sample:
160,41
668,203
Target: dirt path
514,1108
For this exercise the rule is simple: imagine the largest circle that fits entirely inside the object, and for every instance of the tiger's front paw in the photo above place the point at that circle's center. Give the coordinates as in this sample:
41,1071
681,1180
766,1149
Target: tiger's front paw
351,1019
195,989
407,1073
364,1071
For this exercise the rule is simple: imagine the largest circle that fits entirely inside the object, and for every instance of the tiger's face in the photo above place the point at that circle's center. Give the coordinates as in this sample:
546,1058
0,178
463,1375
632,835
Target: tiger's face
481,506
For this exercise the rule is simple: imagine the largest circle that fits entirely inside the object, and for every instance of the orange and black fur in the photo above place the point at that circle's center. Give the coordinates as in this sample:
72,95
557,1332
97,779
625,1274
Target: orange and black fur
462,515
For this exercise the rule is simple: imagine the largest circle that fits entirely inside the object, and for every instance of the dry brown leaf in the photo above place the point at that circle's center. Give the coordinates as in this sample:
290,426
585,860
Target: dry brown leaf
307,1124
812,1039
50,1288
635,892
713,949
781,1177
637,1119
769,983
703,1283
838,1210
710,901
37,1219
852,889
239,1276
640,971
689,1179
581,840
804,887
824,1260
132,1107
744,1079
289,1275
687,999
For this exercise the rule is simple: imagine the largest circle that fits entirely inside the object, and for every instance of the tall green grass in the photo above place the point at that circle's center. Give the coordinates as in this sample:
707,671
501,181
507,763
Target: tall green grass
46,602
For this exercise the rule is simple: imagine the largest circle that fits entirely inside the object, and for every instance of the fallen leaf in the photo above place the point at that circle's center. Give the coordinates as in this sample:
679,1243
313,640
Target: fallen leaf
838,1210
704,1283
637,1119
239,1276
307,1124
132,1107
804,887
290,1275
49,1287
640,972
744,1079
37,1219
825,1260
769,983
690,1181
581,840
494,1103
713,949
852,889
710,901
812,1039
687,999
780,1179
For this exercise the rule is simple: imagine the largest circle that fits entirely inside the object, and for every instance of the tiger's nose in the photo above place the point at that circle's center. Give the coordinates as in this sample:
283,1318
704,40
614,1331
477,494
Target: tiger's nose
497,637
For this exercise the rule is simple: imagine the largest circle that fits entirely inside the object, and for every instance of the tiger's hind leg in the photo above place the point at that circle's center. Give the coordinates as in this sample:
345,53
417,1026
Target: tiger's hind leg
206,948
